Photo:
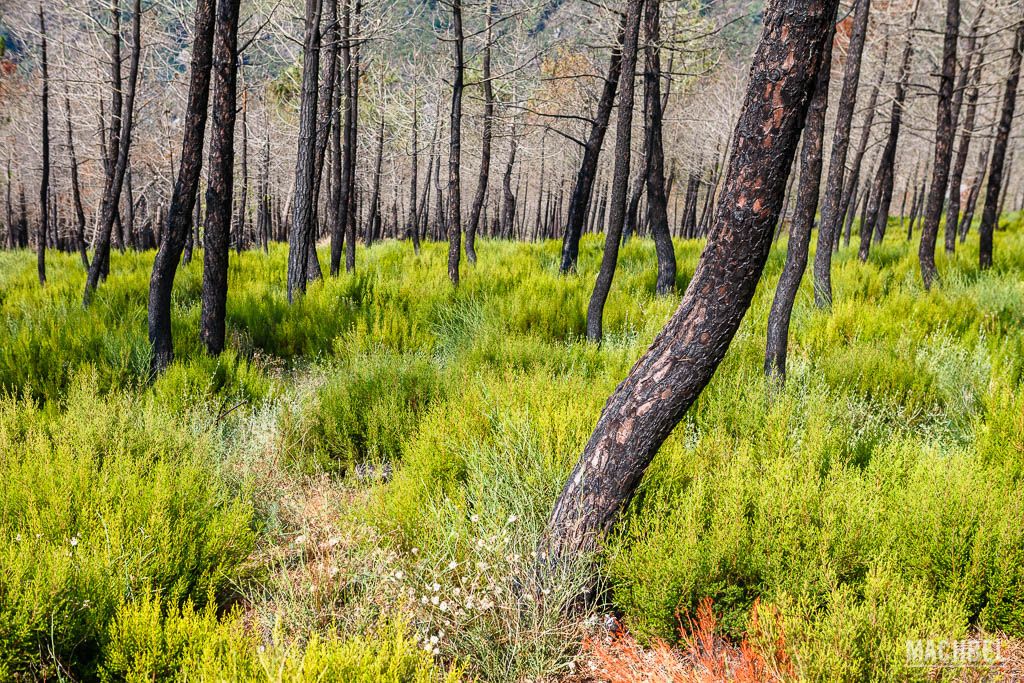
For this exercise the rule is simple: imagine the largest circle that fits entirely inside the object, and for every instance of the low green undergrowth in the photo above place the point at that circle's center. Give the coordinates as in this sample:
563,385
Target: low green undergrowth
875,498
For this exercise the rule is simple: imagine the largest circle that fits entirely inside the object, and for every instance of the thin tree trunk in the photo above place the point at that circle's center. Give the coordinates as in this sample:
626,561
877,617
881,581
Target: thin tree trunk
76,189
803,220
455,148
220,185
656,196
960,163
944,132
375,193
44,182
989,216
122,114
831,208
352,119
179,214
413,225
485,143
620,176
303,213
584,187
341,212
665,382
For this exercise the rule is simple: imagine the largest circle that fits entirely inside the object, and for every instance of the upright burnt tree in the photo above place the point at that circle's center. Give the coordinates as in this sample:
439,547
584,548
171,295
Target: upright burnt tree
455,144
666,381
186,186
960,163
44,182
485,142
657,200
943,147
220,185
990,214
302,233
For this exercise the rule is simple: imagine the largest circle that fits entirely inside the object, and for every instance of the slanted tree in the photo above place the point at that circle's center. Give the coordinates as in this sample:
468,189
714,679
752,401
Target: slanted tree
76,186
186,186
220,185
832,209
666,381
620,173
944,132
990,214
412,227
580,198
122,116
956,175
881,192
803,221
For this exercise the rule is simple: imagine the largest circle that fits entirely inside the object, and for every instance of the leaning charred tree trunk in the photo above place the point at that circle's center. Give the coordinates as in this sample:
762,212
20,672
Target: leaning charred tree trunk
220,185
413,223
989,215
44,182
326,104
118,149
881,193
485,144
803,221
657,202
301,233
179,213
351,148
943,147
584,187
957,174
831,204
455,148
666,381
620,173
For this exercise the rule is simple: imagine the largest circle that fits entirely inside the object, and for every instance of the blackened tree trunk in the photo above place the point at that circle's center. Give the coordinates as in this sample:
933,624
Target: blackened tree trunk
485,143
123,114
972,194
44,182
220,185
584,187
183,198
508,207
325,115
455,147
76,188
803,221
956,176
620,173
243,194
881,193
413,224
657,201
944,132
989,215
375,192
303,216
351,146
12,230
831,207
341,209
666,381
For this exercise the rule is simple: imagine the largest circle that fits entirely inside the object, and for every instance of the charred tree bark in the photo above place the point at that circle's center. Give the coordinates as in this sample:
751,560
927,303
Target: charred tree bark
831,205
485,143
76,188
220,186
657,201
455,147
620,176
584,187
121,124
413,224
302,232
944,132
881,194
989,215
666,381
243,195
960,163
44,182
341,210
179,213
374,217
351,144
508,207
326,108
